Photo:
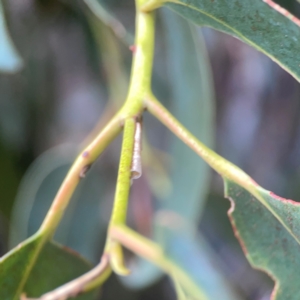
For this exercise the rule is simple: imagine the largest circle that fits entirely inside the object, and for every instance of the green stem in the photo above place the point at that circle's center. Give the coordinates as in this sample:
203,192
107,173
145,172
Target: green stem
218,163
140,86
77,171
113,248
152,252
124,175
141,73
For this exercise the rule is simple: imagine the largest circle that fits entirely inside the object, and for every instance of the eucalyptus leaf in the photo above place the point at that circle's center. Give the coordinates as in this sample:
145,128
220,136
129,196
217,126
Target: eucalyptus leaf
265,241
253,22
10,60
37,191
267,225
54,266
286,233
192,102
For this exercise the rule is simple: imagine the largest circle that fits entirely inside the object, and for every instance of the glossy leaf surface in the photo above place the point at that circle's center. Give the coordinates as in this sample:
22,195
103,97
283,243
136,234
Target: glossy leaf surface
254,22
55,266
265,241
192,102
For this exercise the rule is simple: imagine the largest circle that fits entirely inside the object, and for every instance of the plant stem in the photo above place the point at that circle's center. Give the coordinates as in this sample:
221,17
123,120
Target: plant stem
113,248
218,163
77,171
151,5
140,86
133,107
152,252
124,174
141,73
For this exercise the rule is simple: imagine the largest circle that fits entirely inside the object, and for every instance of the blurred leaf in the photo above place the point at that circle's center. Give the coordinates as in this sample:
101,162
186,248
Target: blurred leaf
37,191
84,226
54,267
10,61
195,257
111,57
193,103
267,243
110,21
153,252
253,22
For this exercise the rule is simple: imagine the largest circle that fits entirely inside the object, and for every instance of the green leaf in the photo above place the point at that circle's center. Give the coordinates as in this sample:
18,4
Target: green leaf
192,102
253,22
55,266
35,195
284,212
275,222
10,61
192,254
267,244
37,190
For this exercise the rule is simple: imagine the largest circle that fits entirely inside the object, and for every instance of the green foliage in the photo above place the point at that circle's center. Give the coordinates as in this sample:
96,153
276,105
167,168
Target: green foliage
55,266
253,22
35,194
268,245
267,226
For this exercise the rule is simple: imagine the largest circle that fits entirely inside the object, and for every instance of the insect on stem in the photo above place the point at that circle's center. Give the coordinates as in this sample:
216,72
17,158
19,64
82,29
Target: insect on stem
136,165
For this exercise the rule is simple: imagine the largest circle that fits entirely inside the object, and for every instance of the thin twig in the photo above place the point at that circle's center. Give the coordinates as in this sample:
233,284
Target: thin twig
221,165
79,285
77,171
154,253
121,196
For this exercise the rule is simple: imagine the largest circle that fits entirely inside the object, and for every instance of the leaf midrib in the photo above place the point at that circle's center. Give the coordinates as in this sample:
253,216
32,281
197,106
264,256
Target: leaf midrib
238,34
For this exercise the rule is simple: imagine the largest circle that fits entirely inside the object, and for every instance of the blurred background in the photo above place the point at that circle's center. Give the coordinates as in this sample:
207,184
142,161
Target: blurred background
76,67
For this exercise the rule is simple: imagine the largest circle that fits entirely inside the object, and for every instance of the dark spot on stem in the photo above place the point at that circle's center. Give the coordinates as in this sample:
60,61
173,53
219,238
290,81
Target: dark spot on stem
84,170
